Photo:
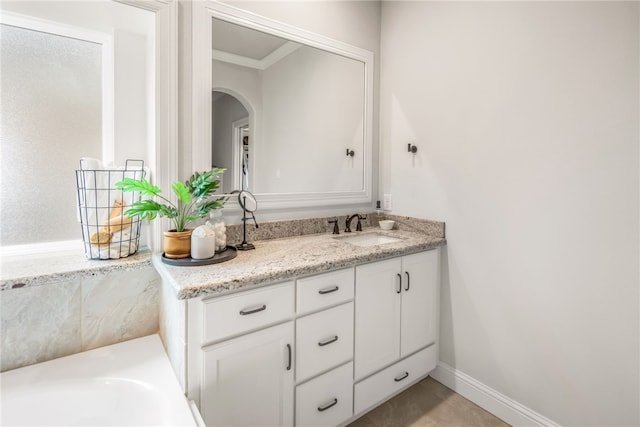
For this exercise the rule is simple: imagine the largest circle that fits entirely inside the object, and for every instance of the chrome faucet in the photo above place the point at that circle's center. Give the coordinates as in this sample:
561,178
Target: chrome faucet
348,222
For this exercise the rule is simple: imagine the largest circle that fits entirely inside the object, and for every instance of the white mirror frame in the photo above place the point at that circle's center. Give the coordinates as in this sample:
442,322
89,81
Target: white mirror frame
164,154
201,62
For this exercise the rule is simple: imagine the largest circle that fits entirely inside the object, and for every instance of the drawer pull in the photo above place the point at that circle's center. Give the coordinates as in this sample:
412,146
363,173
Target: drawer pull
326,406
408,281
329,341
400,378
289,357
253,310
328,290
399,288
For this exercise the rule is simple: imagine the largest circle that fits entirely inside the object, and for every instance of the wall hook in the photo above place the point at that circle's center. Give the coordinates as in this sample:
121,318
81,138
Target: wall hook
350,152
412,148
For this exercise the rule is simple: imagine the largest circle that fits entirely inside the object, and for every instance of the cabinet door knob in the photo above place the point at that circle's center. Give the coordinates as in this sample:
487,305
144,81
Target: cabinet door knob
326,406
289,357
401,377
399,288
408,281
252,310
328,290
328,341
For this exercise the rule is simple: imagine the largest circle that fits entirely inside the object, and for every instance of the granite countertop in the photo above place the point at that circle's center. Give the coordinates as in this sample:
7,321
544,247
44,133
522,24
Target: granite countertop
32,270
287,258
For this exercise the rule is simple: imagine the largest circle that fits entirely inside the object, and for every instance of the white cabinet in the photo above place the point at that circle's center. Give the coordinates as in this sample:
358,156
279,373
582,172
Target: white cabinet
242,355
380,386
326,400
323,341
396,309
250,353
377,316
248,380
240,313
324,290
420,301
324,349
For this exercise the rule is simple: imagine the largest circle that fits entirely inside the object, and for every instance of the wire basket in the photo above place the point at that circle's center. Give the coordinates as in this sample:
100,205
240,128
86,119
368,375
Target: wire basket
106,232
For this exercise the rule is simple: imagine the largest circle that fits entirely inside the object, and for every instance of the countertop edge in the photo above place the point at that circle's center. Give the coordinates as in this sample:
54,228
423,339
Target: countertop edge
287,272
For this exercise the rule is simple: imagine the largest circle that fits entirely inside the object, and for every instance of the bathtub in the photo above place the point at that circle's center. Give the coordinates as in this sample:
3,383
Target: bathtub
126,384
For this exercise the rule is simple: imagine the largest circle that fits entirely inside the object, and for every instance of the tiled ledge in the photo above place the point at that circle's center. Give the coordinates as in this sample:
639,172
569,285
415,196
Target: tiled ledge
36,270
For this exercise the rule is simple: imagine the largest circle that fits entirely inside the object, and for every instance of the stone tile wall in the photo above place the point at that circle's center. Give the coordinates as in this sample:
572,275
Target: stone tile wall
40,323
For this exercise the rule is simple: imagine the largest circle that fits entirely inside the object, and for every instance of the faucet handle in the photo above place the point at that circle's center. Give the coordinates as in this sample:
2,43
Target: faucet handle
359,225
336,230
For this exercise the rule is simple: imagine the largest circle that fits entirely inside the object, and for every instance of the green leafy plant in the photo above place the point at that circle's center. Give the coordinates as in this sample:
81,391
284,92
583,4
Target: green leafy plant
194,198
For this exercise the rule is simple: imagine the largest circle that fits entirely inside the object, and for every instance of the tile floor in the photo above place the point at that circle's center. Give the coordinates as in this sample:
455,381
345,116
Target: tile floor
428,404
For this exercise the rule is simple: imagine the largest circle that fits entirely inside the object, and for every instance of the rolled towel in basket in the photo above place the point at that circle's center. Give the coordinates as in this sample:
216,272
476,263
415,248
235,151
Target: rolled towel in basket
117,221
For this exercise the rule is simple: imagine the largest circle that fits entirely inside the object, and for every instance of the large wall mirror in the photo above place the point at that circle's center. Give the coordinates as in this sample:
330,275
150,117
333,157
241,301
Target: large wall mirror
290,112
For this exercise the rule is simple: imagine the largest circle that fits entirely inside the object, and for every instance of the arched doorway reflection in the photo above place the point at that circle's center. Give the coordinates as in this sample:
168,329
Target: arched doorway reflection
231,141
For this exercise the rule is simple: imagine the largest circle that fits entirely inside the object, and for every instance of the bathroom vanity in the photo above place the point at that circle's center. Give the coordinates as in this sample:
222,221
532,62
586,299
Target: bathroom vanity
308,330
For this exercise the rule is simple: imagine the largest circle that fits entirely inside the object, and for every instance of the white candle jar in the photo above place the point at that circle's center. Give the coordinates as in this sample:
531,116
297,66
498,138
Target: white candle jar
203,243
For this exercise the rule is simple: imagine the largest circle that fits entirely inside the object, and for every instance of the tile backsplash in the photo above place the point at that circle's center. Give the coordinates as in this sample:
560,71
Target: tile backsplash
300,227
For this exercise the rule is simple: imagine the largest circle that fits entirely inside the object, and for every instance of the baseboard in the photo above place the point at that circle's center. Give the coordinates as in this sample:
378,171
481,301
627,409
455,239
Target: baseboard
489,399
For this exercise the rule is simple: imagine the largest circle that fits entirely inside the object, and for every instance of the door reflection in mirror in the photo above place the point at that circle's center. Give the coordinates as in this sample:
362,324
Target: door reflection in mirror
244,134
230,130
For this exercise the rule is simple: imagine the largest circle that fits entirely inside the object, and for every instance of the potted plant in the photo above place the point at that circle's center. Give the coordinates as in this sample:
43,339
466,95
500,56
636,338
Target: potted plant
194,201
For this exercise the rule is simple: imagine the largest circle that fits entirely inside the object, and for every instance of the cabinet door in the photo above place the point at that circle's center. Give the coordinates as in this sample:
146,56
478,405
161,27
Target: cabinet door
420,301
248,381
377,314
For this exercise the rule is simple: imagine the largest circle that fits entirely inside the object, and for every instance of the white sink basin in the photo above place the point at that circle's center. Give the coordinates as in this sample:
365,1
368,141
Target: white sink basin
364,240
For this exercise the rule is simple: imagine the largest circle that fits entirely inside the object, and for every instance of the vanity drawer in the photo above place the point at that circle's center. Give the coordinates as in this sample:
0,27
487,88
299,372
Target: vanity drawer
324,290
235,314
323,340
378,387
326,400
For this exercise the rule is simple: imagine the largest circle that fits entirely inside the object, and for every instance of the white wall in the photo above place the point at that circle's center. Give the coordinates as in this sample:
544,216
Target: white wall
241,82
525,115
312,111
